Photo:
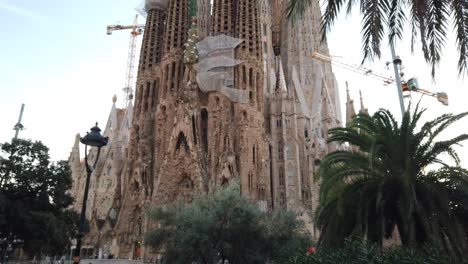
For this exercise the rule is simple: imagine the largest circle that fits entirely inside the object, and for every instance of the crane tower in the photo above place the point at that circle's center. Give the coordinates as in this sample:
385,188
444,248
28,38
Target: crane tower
18,126
136,30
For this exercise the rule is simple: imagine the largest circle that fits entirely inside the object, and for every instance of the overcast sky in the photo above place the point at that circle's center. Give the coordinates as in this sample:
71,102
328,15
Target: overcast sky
56,58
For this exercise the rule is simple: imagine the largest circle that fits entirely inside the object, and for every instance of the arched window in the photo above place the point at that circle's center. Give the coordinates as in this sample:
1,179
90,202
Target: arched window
146,95
281,176
261,193
288,152
194,130
204,128
280,151
282,200
182,141
155,98
253,154
244,75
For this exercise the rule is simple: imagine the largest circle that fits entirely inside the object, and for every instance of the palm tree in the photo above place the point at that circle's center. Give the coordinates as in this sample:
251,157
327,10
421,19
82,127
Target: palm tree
394,176
428,19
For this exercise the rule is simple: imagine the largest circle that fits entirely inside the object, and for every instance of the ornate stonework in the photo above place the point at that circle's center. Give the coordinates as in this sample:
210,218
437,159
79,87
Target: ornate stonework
184,139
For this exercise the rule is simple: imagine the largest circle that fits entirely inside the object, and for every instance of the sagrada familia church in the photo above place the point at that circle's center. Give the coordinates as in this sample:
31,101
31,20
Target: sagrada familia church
226,90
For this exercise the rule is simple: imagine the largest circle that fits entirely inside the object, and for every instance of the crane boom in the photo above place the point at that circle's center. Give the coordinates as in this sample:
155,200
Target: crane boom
136,30
354,68
441,97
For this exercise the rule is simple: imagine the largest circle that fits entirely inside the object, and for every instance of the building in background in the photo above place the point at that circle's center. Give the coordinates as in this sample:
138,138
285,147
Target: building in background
254,106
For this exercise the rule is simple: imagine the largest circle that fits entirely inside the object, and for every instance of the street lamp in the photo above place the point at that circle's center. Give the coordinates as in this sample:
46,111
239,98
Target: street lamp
93,139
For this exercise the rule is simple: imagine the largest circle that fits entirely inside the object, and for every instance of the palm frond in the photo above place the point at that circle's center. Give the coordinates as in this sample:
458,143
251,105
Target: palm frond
333,7
374,14
460,11
437,15
442,147
396,20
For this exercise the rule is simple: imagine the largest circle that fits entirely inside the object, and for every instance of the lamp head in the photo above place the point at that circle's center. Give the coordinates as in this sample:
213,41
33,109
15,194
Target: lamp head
94,138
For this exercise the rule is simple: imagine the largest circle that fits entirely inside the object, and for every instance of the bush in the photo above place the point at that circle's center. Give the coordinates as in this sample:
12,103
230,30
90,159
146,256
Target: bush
361,252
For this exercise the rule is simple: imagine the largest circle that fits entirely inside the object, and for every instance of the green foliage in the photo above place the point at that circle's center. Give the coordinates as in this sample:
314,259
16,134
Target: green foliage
225,225
428,20
34,199
193,8
360,252
384,183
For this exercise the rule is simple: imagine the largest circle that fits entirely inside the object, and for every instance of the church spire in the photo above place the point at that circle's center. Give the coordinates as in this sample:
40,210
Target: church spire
151,48
363,109
280,81
223,17
350,111
177,25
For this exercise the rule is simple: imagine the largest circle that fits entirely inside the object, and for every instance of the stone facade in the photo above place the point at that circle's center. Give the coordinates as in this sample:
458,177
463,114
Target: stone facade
183,141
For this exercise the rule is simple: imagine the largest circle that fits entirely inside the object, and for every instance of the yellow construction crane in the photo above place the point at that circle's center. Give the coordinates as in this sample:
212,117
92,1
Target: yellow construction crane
354,68
410,86
136,30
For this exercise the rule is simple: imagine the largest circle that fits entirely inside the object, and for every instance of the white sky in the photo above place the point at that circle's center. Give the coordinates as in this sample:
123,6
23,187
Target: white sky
57,59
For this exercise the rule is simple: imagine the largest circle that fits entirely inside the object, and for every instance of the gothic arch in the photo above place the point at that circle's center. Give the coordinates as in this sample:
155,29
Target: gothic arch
181,141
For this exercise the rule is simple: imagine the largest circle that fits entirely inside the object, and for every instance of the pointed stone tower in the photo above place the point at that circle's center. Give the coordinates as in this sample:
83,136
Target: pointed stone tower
350,110
363,109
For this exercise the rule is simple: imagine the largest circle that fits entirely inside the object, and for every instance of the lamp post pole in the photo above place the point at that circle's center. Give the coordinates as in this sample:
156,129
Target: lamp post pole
93,139
396,67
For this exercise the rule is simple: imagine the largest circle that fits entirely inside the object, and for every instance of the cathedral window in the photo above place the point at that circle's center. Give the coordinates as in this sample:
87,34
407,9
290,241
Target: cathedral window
278,123
204,128
186,183
253,154
261,193
280,151
155,92
144,175
250,181
139,94
146,96
281,176
288,152
282,199
182,141
306,133
244,75
194,130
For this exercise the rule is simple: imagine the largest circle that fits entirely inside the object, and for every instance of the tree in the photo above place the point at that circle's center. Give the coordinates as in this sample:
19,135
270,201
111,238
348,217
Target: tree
393,176
428,19
224,226
34,199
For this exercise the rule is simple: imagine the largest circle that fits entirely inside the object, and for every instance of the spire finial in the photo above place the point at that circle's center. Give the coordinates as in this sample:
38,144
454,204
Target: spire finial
363,108
348,97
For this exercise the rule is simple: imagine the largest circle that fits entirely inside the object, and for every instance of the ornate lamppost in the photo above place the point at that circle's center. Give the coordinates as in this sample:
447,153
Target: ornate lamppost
93,139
